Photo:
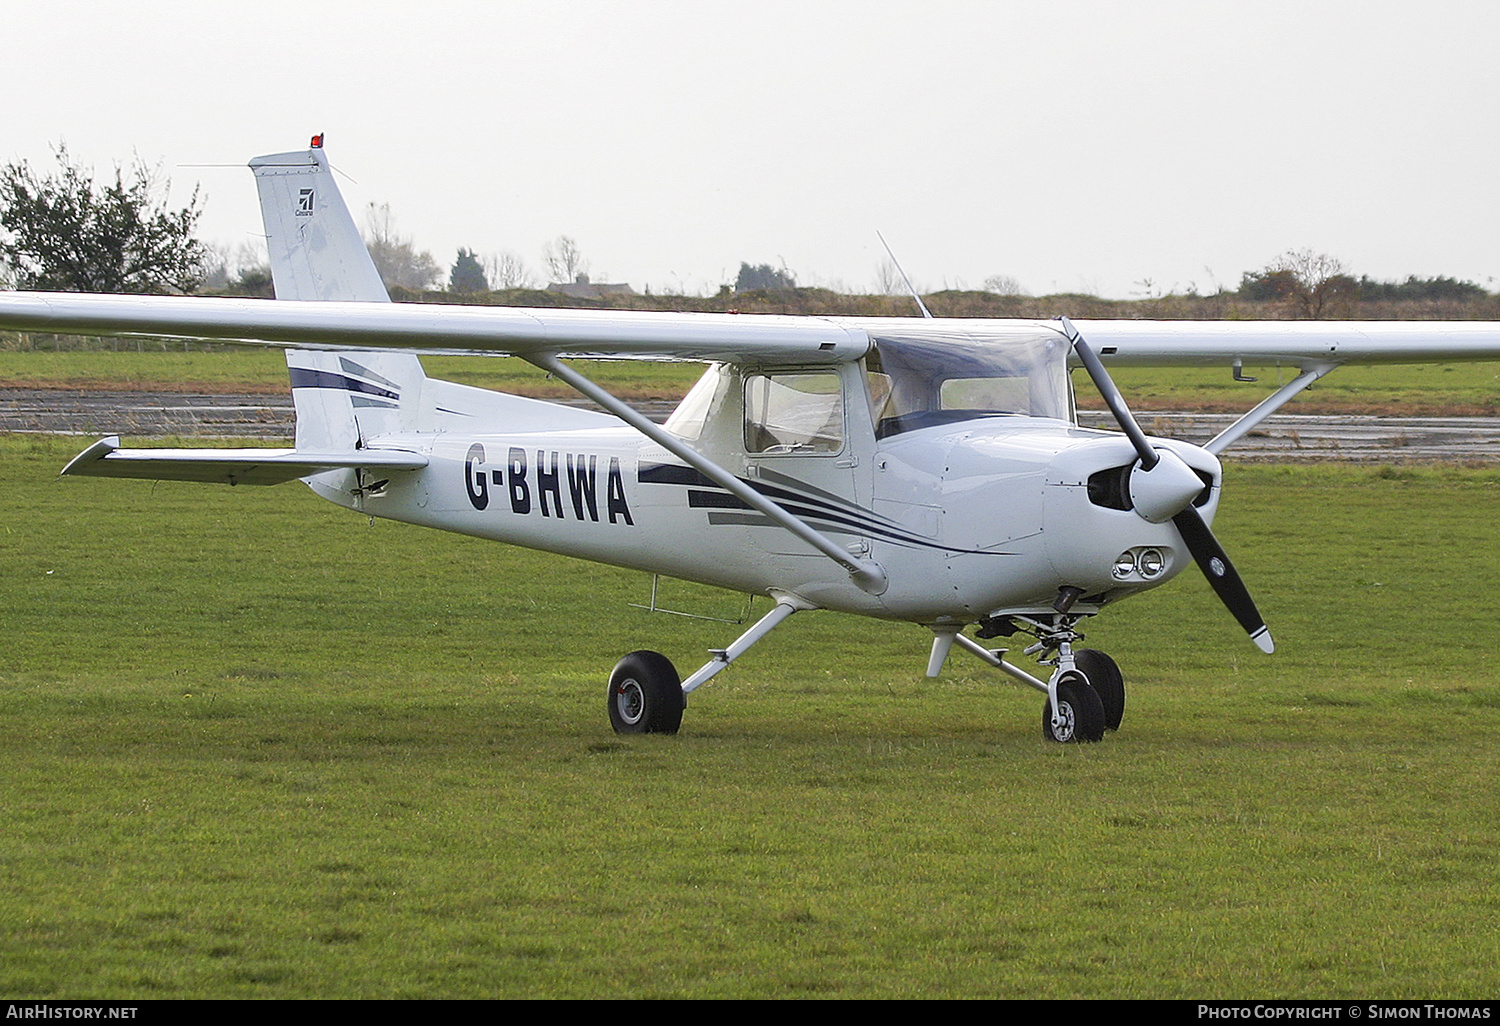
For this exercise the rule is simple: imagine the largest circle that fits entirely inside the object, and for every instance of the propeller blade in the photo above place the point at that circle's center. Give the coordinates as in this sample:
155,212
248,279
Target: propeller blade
1210,555
1112,397
1222,576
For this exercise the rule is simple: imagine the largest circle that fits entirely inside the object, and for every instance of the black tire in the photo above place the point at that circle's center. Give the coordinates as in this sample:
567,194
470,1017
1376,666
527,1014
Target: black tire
1082,713
645,695
1104,677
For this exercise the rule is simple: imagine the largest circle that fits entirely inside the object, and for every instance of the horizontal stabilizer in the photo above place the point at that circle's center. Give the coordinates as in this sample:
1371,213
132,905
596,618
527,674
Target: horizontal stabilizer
105,458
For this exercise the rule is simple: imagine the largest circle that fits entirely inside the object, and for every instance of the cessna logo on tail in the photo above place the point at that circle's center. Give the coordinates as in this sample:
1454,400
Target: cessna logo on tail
543,490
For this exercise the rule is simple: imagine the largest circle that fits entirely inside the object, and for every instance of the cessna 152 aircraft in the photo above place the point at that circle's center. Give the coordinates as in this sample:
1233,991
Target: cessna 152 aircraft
921,470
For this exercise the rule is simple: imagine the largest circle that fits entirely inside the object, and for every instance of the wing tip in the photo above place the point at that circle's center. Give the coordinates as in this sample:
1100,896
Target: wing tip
93,454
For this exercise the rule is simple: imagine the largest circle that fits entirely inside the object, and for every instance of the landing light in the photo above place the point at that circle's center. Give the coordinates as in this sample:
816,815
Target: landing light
1147,563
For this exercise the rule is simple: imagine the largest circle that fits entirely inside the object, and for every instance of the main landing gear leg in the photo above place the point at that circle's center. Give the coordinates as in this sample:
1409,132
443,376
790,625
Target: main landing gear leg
645,695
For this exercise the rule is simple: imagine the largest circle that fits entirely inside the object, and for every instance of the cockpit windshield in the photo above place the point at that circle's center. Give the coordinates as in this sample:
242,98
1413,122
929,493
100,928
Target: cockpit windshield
929,376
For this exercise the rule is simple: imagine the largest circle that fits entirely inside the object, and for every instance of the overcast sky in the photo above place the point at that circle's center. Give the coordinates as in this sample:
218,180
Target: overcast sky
1071,145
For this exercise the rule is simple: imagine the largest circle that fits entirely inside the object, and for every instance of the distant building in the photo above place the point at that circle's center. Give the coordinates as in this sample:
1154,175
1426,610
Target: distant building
582,288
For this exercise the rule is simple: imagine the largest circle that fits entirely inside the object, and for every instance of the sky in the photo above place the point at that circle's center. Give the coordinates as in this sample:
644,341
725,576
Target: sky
1119,149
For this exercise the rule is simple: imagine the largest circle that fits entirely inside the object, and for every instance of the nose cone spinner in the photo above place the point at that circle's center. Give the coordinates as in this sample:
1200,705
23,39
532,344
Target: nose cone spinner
1161,492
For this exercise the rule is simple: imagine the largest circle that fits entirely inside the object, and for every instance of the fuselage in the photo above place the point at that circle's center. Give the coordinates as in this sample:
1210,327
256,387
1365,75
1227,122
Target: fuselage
968,519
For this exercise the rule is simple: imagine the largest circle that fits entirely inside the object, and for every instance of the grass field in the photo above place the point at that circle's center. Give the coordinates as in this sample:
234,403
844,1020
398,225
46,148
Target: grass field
258,747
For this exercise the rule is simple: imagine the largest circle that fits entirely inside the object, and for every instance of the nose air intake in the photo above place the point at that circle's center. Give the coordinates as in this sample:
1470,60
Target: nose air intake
1161,487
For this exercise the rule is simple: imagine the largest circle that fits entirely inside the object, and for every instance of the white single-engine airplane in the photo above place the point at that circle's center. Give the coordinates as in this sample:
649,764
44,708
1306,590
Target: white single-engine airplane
920,470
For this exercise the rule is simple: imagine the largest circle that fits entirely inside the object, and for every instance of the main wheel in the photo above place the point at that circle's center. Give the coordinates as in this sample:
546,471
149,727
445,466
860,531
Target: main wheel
1104,677
1082,713
645,695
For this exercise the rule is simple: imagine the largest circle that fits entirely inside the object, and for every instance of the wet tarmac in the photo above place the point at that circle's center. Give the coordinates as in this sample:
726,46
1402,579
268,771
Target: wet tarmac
268,418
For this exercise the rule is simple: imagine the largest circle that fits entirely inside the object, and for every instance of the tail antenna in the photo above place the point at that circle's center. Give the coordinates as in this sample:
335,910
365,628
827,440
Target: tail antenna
920,305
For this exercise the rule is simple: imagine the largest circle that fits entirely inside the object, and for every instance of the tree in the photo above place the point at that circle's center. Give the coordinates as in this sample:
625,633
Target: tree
1312,283
1267,285
1003,285
508,271
1438,288
252,271
888,279
64,233
396,259
564,260
245,271
468,274
763,277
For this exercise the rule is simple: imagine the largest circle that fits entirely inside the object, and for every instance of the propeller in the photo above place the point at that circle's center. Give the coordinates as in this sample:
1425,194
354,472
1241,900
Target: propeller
1158,484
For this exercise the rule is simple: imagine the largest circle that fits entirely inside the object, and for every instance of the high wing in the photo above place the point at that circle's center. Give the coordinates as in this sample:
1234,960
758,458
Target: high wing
1176,343
422,328
542,335
767,340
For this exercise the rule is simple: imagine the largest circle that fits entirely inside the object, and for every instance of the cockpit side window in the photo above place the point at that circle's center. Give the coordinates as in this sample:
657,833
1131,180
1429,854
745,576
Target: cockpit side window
794,412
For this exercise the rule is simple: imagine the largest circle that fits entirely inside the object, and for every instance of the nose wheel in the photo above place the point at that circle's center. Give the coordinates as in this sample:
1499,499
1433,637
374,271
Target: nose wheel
1089,686
1105,678
1080,713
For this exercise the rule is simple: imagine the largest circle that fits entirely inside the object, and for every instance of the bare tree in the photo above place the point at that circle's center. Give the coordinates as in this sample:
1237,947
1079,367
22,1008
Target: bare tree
226,268
508,271
1004,285
396,259
888,280
1314,284
216,270
564,260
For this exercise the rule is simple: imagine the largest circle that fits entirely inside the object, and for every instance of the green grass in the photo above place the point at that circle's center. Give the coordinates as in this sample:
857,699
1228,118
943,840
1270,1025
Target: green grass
229,370
256,747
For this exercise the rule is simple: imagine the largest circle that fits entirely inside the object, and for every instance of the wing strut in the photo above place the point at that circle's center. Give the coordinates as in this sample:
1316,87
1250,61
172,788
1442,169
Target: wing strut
865,573
1267,406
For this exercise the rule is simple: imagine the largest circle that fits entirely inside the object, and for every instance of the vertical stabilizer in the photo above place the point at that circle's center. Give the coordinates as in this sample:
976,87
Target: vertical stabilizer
316,251
343,400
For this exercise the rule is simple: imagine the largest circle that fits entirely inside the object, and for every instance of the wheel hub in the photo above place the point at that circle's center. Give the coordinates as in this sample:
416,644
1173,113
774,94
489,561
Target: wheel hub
631,701
1065,723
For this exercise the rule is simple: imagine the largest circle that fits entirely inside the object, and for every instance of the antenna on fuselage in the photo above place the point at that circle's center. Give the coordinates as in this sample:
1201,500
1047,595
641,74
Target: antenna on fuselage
902,271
